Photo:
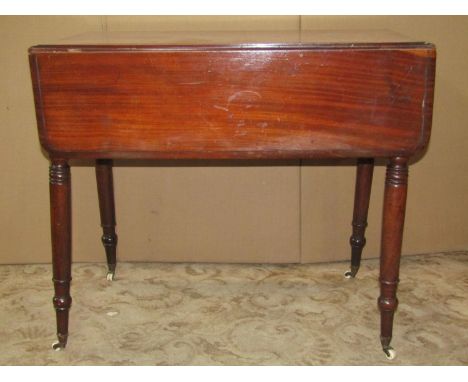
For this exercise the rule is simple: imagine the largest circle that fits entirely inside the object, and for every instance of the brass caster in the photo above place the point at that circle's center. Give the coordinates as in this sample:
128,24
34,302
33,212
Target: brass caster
390,353
57,346
110,276
348,275
351,274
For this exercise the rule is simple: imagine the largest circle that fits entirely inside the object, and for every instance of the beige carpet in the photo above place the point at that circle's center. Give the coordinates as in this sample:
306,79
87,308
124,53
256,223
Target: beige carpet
219,314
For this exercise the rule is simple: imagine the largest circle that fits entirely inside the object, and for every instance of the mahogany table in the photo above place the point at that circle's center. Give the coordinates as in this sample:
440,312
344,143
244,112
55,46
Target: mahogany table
226,95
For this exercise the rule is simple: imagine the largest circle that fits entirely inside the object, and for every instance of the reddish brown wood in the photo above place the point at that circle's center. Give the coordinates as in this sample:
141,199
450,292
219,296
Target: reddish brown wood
364,172
288,97
60,213
242,103
396,185
105,188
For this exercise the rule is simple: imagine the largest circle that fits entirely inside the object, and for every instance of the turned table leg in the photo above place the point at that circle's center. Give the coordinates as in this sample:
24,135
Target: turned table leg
396,185
60,212
364,172
107,209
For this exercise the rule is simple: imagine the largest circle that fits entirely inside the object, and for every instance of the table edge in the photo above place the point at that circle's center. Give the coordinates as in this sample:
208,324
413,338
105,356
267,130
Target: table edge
102,48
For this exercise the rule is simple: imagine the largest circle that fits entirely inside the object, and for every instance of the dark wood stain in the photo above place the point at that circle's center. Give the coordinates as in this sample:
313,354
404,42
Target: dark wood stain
234,104
296,100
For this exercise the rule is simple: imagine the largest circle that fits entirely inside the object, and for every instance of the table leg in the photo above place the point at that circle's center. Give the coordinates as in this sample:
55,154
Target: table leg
396,185
107,209
364,172
60,213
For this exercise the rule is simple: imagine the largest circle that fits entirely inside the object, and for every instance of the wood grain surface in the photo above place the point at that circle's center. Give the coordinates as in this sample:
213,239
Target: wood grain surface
256,102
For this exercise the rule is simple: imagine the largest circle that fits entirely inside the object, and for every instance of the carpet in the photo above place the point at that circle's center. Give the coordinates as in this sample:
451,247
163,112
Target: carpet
237,314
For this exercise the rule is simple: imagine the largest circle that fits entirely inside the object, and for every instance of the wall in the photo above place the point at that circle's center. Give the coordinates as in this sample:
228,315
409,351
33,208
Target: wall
258,213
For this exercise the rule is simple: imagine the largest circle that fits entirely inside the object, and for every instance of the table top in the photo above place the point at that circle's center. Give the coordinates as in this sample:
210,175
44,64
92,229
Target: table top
235,39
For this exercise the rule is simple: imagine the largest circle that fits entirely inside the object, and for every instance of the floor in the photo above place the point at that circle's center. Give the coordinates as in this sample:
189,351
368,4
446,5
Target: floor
223,314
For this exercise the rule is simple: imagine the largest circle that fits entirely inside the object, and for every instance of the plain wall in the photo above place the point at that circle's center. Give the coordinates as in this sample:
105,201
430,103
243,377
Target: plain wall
294,212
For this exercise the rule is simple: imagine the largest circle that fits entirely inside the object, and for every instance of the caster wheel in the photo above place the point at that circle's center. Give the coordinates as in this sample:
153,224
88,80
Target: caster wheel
348,275
351,273
110,276
57,346
390,353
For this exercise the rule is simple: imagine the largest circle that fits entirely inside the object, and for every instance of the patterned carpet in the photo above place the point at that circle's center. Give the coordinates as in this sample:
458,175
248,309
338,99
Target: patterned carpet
223,314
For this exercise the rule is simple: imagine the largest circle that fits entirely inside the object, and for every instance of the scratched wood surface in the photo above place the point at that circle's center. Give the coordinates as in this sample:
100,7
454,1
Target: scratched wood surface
256,102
